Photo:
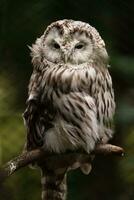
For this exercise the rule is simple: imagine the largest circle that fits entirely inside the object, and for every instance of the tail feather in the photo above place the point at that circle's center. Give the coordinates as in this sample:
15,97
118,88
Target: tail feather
54,185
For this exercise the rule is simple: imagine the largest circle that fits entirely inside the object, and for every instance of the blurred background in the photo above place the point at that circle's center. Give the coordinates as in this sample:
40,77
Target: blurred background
21,22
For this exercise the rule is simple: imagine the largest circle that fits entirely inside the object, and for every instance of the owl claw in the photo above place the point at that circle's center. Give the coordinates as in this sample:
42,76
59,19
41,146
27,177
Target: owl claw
86,168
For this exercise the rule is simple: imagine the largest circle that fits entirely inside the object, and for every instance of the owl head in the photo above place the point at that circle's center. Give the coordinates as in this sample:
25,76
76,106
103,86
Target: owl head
68,41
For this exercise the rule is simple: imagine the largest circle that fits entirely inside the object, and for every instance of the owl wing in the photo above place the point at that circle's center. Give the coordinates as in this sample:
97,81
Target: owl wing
32,114
103,94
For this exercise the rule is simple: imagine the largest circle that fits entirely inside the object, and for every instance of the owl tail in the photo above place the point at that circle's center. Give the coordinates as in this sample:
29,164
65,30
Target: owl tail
85,167
54,185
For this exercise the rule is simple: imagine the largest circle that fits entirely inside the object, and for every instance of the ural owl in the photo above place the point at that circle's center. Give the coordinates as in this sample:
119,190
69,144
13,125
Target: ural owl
70,102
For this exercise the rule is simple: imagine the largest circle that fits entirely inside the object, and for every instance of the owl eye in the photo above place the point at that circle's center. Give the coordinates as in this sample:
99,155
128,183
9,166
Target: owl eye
56,45
79,46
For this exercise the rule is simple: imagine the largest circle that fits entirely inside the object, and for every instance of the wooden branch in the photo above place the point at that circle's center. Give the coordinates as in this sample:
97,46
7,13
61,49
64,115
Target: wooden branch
54,161
109,149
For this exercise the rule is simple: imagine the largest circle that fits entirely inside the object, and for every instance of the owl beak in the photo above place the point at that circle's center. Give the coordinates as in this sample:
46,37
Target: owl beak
66,57
66,52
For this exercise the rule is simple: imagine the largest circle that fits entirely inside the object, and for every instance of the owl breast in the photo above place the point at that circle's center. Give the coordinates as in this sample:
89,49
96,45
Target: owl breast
64,79
66,91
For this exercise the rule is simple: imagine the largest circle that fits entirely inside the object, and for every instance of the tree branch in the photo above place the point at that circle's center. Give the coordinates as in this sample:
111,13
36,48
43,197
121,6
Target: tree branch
55,161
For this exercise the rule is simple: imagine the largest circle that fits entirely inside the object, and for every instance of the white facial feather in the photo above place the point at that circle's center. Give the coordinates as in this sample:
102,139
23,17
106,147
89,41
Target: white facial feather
75,49
84,54
59,44
50,53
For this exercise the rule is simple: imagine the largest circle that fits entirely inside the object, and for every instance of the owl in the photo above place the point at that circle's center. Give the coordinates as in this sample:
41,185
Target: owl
70,102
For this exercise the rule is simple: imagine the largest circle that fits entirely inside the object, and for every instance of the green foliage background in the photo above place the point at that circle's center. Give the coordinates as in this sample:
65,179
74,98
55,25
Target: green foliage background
21,22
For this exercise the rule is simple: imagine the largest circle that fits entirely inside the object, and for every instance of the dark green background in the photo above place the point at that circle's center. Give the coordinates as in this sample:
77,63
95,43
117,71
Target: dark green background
21,22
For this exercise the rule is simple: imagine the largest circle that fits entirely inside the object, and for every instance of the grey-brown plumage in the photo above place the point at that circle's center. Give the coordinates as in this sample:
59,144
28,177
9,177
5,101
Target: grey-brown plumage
70,103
